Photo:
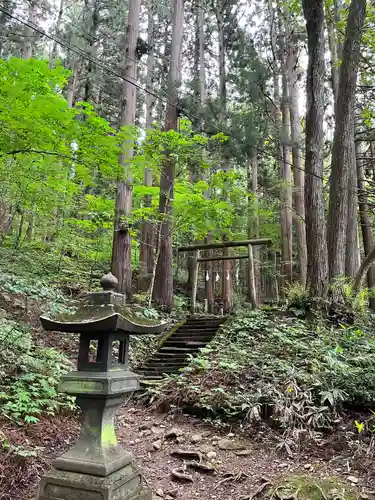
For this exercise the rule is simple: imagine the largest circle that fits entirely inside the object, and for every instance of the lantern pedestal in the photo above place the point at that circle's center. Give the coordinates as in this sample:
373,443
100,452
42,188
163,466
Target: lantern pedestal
124,484
97,467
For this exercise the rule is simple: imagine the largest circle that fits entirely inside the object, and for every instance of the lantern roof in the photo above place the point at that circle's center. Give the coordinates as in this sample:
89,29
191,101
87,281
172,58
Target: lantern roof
104,312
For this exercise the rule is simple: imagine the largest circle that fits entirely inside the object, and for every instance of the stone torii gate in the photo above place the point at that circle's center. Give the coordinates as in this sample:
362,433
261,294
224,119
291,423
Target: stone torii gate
197,259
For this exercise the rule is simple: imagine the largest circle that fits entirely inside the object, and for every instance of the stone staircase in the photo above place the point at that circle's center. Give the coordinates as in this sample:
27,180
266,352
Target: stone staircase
187,339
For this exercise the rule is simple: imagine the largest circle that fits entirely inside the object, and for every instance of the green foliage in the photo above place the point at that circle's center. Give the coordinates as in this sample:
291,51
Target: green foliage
29,376
264,366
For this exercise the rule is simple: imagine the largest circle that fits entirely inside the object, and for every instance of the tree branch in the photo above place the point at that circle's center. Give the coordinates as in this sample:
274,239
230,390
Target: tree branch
32,151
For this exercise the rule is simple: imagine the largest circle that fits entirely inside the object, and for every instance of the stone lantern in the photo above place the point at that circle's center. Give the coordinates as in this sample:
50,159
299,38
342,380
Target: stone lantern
97,467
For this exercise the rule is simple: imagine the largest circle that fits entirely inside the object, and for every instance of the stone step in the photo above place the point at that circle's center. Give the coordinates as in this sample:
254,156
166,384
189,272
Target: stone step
191,345
201,325
177,349
160,369
159,354
161,359
195,332
202,338
198,324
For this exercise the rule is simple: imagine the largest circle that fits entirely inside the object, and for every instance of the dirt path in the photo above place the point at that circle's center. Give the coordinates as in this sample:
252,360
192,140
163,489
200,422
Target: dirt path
153,437
235,477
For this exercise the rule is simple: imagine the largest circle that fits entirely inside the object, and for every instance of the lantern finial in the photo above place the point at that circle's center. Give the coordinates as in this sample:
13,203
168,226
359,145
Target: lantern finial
109,283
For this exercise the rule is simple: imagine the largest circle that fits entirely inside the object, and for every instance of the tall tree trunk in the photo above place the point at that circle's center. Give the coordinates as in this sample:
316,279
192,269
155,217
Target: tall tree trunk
4,19
29,32
298,173
146,255
121,253
286,173
366,223
277,106
253,215
202,68
72,85
227,285
147,244
163,290
343,153
208,269
57,30
150,98
317,257
93,22
352,258
333,47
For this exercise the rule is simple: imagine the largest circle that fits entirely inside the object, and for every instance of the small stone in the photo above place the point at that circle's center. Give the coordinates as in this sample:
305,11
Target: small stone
168,497
227,444
144,427
173,493
231,435
283,465
156,444
157,431
181,439
196,438
215,438
160,493
146,433
205,448
307,466
174,433
353,479
131,443
211,455
243,453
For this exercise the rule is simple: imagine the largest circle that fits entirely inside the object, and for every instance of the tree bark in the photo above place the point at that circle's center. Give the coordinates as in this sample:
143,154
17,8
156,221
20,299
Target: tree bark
298,173
72,85
253,214
365,266
57,30
317,256
366,224
147,232
150,98
208,268
93,23
121,253
29,32
226,285
163,290
333,46
343,152
4,19
352,259
286,173
277,116
147,244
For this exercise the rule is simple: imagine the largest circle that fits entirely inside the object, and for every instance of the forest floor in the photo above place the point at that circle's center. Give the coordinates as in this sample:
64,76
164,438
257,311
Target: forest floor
244,472
230,463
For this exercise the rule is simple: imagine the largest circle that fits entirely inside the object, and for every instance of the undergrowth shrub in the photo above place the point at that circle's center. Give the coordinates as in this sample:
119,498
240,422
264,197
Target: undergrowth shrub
29,376
267,367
